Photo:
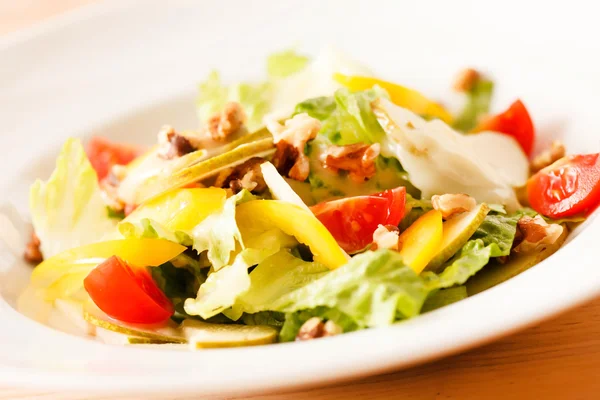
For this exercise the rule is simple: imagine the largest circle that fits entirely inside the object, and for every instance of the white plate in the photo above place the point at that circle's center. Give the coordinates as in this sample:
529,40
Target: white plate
123,69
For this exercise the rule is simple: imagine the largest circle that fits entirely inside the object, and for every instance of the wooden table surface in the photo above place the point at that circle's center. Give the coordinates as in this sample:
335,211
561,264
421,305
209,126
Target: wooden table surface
559,359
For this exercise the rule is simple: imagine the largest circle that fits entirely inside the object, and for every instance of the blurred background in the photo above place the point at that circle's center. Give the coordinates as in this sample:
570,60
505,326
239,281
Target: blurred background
15,14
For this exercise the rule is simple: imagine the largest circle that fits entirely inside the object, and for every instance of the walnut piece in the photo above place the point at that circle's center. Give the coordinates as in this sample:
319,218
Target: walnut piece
452,204
332,329
247,175
358,159
465,80
311,329
536,232
290,139
385,237
172,144
32,253
315,328
229,121
548,157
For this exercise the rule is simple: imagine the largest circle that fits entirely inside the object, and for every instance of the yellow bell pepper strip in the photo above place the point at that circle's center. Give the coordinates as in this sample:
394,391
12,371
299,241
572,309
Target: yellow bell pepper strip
399,95
63,274
180,209
295,221
421,241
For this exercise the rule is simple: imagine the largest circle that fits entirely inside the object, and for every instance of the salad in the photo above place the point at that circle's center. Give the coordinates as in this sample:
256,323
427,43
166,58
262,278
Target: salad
319,201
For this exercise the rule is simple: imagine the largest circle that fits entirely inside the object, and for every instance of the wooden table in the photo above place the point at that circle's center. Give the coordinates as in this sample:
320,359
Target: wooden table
559,359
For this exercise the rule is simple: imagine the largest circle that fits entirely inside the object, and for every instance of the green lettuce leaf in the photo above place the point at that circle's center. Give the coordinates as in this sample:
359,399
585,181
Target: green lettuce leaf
294,321
347,118
499,230
177,282
493,238
219,234
220,290
320,108
285,63
224,286
478,105
444,297
473,256
372,289
67,210
274,277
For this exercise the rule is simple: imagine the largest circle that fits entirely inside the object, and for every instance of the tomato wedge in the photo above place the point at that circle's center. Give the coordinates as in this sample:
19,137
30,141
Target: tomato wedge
515,122
127,293
103,154
569,187
353,220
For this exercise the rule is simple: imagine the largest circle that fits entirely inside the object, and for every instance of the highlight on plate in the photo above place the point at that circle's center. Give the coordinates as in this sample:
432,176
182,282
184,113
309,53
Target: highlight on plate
320,201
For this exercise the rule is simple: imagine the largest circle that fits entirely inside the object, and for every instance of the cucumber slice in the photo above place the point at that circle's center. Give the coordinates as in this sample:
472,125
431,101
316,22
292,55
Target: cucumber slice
203,335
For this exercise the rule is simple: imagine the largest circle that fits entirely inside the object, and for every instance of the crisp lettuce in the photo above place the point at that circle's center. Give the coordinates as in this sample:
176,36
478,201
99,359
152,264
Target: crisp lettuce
219,234
473,256
479,98
224,286
274,277
493,238
347,117
285,63
176,282
67,210
373,289
220,289
320,108
499,230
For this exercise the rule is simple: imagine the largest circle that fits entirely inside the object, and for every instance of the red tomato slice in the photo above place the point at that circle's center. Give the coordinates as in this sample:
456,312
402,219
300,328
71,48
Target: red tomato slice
570,186
514,122
353,220
127,293
103,154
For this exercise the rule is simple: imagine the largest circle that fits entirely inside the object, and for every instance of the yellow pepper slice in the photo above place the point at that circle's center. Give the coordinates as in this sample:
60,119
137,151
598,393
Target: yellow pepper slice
399,95
295,221
74,264
421,241
180,209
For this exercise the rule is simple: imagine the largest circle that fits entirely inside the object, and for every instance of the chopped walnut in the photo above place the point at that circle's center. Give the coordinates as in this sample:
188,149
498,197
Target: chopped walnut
549,156
452,204
315,328
536,232
290,139
229,121
358,159
465,80
385,237
32,253
245,176
332,329
311,329
172,144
